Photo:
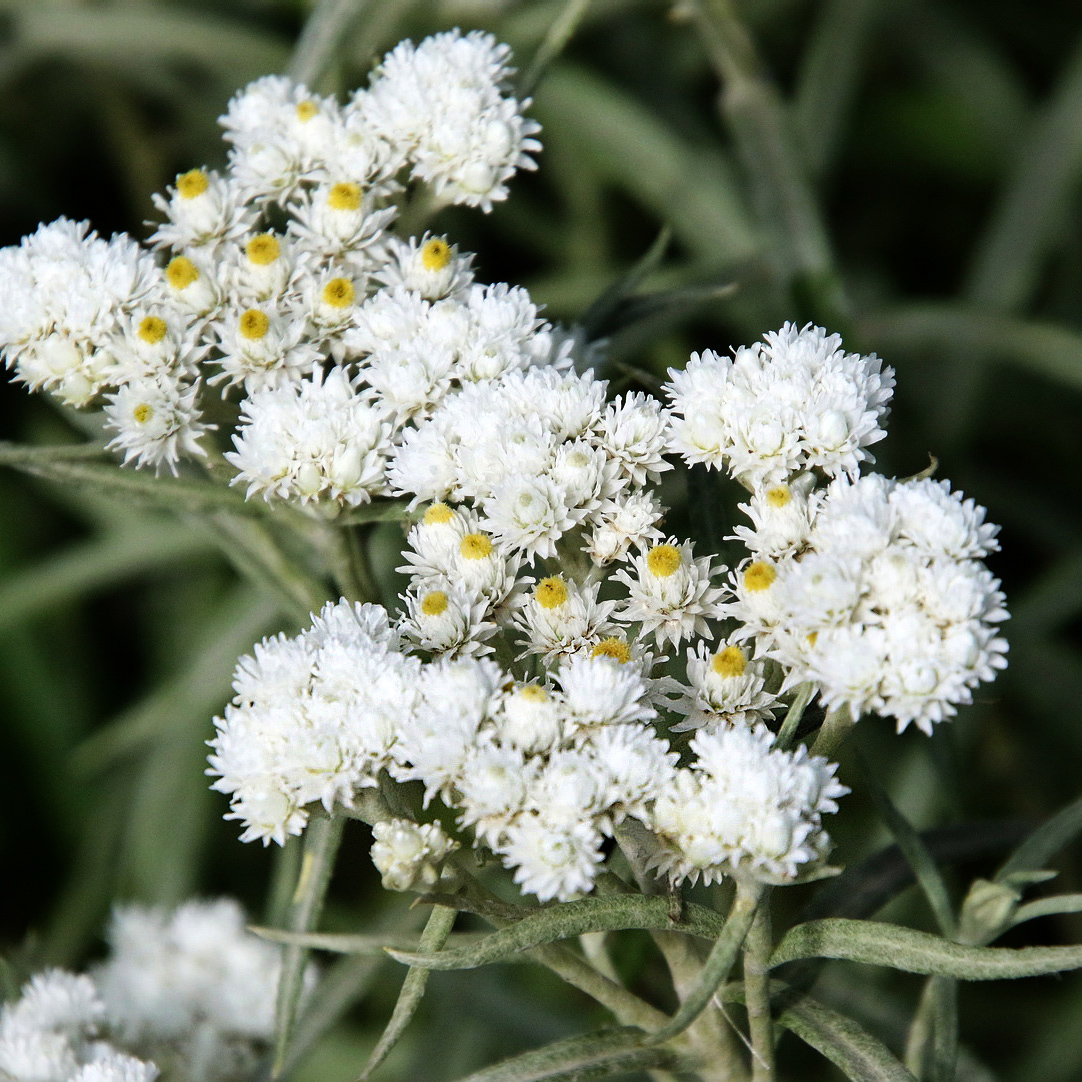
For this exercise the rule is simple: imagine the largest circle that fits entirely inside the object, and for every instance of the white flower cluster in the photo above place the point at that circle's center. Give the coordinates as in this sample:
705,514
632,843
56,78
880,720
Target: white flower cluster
795,401
266,270
51,1034
539,771
746,808
190,988
875,591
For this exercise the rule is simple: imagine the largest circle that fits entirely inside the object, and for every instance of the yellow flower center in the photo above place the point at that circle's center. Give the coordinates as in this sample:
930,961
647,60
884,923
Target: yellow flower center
732,661
613,647
254,324
264,249
181,272
339,293
345,195
143,413
551,593
434,603
306,109
664,560
438,514
152,330
778,496
475,546
759,576
435,254
535,693
812,637
192,183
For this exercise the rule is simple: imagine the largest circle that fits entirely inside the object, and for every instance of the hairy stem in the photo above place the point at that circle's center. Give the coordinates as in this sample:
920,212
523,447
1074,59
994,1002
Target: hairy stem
757,952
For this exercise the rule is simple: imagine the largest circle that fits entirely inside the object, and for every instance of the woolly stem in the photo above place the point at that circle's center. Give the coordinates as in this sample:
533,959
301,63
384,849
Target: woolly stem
757,950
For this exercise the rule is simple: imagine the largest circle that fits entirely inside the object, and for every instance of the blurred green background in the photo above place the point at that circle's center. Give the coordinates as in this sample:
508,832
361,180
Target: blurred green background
908,173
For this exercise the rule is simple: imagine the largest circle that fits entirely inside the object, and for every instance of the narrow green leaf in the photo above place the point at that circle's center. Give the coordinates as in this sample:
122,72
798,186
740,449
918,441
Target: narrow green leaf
137,486
376,511
1046,349
594,1055
691,186
910,951
1044,843
440,922
850,1047
718,963
559,33
96,564
595,321
916,852
352,943
321,843
829,77
565,921
1048,907
20,456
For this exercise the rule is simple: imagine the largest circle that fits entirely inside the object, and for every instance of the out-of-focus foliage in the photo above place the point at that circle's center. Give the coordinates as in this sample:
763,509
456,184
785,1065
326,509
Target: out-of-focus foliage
906,172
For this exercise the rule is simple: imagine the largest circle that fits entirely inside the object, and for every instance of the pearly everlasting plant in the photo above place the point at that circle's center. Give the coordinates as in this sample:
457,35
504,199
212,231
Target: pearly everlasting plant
568,701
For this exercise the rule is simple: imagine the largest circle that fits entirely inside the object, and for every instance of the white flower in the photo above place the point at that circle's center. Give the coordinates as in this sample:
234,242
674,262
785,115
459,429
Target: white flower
447,621
671,595
428,266
262,347
114,1066
552,860
529,718
339,221
202,210
599,691
529,515
408,855
156,421
794,402
619,524
560,618
744,808
726,688
317,439
633,432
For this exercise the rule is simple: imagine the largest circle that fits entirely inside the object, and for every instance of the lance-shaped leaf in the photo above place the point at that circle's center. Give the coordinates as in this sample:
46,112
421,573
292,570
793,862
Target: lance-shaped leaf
911,951
607,1053
372,943
438,928
609,914
320,848
718,962
1044,843
847,1045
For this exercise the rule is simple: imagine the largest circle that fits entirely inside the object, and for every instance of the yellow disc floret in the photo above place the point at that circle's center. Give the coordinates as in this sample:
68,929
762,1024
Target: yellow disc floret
438,514
664,560
613,647
345,195
475,546
152,330
434,603
732,661
339,293
759,576
181,272
435,254
192,183
254,324
550,593
264,249
143,412
535,693
306,109
778,496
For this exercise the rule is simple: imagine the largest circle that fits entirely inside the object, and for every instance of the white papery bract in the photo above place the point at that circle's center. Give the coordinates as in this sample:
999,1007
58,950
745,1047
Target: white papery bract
744,808
316,440
442,104
408,855
52,1034
725,687
795,401
886,606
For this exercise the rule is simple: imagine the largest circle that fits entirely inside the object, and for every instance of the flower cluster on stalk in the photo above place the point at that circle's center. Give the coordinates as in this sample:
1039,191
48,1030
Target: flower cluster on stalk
555,642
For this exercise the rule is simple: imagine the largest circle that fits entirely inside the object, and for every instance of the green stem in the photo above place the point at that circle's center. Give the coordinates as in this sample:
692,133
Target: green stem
836,727
757,118
757,953
559,34
320,848
718,964
787,733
